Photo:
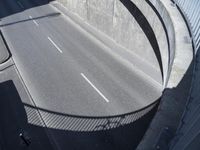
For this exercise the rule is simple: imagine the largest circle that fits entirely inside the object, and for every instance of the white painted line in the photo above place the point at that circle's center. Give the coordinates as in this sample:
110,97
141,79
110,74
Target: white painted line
55,44
20,4
94,87
34,21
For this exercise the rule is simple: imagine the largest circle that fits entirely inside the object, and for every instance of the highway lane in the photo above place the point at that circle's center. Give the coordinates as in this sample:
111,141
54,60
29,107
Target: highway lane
67,71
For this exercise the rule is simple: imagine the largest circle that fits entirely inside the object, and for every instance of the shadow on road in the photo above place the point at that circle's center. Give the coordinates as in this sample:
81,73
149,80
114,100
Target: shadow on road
10,7
21,127
34,18
13,121
169,116
25,126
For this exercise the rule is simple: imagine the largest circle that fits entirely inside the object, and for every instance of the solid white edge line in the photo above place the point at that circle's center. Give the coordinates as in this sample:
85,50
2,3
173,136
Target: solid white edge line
34,21
94,87
20,4
54,44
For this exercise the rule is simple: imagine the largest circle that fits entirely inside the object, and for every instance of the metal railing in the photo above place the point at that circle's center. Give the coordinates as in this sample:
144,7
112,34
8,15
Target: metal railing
55,120
191,12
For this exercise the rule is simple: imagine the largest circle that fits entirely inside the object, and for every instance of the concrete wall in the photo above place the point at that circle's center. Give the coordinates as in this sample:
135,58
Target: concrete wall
160,33
113,19
174,97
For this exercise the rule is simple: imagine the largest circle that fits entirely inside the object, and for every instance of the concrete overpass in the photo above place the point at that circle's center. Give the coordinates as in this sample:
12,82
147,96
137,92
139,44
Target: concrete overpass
90,71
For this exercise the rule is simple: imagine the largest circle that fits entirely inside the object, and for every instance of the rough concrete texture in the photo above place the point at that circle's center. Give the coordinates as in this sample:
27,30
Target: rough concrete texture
169,29
175,95
120,52
113,19
159,32
183,52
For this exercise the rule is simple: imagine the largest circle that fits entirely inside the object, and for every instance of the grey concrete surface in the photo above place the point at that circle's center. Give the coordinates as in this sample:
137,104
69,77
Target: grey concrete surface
4,54
69,68
113,19
119,51
6,65
54,79
106,16
18,114
51,52
160,33
177,89
181,51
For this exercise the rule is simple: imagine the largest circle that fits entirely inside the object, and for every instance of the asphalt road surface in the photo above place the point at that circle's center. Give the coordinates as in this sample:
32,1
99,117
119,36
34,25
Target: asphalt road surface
66,70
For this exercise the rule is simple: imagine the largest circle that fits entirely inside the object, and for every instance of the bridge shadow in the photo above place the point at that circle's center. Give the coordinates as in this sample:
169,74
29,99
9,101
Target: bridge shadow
21,127
33,18
10,7
173,105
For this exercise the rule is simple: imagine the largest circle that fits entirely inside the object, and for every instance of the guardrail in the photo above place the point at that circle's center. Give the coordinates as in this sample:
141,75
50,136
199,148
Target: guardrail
191,11
55,120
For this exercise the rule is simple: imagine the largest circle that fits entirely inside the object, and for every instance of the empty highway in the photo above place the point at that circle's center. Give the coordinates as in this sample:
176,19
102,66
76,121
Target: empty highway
67,70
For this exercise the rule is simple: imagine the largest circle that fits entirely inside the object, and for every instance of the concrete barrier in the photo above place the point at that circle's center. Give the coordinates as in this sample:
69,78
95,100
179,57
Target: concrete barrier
4,54
126,26
160,32
113,18
179,78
